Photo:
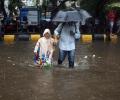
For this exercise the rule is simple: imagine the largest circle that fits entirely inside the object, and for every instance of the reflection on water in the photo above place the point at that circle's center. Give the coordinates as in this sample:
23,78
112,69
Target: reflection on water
95,76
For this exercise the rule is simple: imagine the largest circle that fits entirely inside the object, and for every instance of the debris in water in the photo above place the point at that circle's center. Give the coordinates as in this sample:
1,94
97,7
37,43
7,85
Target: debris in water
13,64
9,60
9,57
45,83
93,56
0,96
99,57
85,56
31,65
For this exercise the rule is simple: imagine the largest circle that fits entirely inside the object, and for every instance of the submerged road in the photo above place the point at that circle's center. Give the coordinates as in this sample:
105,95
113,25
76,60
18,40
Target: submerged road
96,75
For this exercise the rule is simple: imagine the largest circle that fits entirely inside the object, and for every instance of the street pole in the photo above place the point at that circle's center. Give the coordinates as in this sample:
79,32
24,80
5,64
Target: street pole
39,14
46,4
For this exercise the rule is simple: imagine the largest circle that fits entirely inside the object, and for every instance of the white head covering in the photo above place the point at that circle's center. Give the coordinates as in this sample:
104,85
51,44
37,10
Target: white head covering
46,31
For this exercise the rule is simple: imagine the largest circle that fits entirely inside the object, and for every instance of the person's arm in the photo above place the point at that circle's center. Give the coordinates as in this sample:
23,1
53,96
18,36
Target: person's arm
37,46
77,31
57,32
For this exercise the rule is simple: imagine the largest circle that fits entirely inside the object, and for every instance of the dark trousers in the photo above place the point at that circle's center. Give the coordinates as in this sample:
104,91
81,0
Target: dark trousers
71,57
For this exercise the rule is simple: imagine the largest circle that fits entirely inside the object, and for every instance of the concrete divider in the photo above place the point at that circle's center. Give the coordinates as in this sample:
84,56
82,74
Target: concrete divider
34,37
23,37
87,38
99,37
9,38
1,37
114,38
20,37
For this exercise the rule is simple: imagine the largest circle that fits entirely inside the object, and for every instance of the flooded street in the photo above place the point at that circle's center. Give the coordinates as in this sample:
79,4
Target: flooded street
96,75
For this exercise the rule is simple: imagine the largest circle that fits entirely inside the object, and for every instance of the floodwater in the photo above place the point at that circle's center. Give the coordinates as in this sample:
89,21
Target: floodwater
96,75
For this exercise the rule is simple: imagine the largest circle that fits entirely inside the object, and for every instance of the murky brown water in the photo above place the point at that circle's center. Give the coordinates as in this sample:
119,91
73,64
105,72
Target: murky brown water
96,75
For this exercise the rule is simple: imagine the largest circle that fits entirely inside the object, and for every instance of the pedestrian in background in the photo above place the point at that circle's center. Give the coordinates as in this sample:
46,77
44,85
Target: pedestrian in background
111,17
67,32
118,24
0,26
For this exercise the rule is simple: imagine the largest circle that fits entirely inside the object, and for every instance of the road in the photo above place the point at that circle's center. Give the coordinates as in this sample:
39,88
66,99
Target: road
96,75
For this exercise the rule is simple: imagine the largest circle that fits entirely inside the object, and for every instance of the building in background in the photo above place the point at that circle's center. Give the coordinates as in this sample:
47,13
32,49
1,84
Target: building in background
32,2
28,2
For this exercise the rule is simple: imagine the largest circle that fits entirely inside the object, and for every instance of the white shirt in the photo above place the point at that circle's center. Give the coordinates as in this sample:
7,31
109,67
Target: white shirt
67,41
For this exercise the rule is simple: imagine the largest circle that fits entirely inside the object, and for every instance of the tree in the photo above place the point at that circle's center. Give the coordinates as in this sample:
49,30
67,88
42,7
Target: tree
56,7
96,7
12,6
2,7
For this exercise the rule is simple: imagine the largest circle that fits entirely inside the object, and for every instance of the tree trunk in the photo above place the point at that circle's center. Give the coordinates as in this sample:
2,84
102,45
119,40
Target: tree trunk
56,8
2,8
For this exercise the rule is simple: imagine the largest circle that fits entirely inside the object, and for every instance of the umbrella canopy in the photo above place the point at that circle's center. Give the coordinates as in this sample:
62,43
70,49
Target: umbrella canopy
113,5
84,15
68,16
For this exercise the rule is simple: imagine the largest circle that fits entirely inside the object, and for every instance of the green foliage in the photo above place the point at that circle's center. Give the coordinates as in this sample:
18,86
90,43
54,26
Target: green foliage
48,66
115,6
89,5
13,4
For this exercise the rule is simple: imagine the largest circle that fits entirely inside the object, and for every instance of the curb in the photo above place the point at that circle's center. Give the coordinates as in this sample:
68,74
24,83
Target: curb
85,38
35,37
101,37
9,38
89,38
20,37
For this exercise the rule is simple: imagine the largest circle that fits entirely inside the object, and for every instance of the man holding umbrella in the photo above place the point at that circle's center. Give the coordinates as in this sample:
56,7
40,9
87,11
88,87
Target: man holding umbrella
67,33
